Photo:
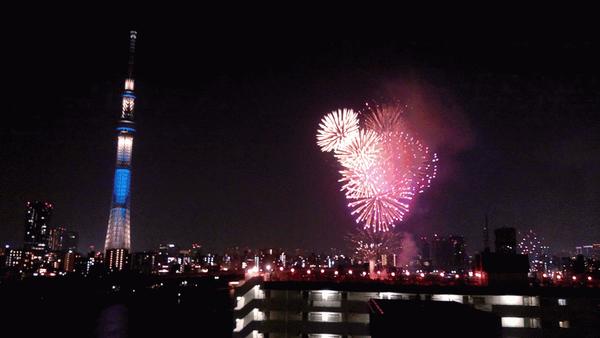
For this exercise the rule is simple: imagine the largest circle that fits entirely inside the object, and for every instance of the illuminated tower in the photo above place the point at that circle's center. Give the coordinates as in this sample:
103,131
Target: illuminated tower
118,232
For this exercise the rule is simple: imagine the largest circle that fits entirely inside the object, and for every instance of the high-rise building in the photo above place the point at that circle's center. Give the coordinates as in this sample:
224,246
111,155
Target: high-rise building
424,248
69,261
56,238
14,257
117,259
442,253
590,250
486,235
37,230
70,241
144,262
506,240
118,232
196,253
459,255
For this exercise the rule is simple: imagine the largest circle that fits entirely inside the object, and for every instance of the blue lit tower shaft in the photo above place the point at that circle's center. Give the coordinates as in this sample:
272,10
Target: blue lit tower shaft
119,226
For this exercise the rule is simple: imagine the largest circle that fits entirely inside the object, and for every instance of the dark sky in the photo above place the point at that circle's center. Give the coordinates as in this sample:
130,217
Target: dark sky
227,114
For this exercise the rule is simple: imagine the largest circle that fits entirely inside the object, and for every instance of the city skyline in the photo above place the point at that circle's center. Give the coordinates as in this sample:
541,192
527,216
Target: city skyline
228,141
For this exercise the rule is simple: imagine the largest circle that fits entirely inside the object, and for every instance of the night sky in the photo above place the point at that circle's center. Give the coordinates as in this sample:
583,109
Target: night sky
225,152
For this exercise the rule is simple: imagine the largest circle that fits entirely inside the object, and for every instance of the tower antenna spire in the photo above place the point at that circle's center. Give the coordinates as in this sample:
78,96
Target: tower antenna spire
486,235
132,38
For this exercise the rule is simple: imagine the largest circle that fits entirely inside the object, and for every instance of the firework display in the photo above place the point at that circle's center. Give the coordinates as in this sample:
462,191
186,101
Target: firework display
383,164
384,119
532,246
370,245
336,128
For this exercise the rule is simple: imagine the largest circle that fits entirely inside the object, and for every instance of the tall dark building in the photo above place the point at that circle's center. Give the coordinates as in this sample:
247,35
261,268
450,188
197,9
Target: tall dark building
459,256
424,248
486,235
37,230
506,240
144,262
442,253
70,241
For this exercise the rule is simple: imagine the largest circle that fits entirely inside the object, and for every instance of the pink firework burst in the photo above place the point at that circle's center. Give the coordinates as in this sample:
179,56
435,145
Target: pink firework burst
384,119
407,161
382,210
383,166
359,182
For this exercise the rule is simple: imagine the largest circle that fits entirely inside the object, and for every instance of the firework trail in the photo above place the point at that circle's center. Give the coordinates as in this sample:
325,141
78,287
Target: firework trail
383,166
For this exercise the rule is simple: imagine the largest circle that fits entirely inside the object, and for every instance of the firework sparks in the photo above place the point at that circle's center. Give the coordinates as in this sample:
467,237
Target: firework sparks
384,119
407,161
359,182
383,166
381,211
360,151
336,129
369,245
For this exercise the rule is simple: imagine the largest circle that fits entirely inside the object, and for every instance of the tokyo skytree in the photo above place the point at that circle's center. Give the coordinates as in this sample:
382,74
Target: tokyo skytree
118,233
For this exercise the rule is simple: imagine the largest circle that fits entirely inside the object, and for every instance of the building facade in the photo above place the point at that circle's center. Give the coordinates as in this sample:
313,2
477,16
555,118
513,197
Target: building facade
326,309
56,238
37,228
117,260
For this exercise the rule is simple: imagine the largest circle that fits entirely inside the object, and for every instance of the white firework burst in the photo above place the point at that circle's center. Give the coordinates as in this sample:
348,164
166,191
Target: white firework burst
336,129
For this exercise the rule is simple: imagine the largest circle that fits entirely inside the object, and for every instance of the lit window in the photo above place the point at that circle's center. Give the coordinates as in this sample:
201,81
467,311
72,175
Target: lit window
447,298
513,322
325,295
563,324
521,322
562,302
512,300
325,316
